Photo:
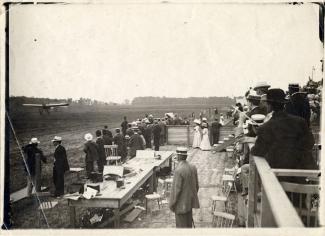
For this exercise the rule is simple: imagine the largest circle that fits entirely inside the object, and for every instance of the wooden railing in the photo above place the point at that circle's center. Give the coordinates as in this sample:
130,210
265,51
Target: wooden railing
274,208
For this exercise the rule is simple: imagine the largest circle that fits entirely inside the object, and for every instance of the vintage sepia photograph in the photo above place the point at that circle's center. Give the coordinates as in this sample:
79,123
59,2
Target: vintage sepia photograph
161,114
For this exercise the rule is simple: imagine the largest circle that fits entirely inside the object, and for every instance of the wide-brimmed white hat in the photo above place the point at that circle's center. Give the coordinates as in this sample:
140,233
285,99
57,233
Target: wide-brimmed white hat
88,137
204,118
57,138
34,140
197,121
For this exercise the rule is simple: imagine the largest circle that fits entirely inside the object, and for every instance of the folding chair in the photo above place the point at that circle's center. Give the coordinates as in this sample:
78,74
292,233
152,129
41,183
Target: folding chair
222,220
221,198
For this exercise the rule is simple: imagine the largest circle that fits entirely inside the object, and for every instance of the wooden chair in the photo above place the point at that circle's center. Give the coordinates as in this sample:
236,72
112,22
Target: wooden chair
150,199
305,198
222,220
112,154
229,176
221,198
46,205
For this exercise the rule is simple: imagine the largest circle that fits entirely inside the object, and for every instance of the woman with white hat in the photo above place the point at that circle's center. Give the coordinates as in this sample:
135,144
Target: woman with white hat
90,148
197,134
205,143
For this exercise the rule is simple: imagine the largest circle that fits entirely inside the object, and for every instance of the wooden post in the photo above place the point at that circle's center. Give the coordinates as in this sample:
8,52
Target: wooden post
166,135
37,172
72,216
252,191
267,219
117,218
151,184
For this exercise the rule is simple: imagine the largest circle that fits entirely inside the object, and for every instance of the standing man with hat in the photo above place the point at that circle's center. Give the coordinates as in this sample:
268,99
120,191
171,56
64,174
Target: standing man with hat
156,130
261,89
90,148
135,142
298,104
124,125
32,151
101,151
285,141
184,192
61,165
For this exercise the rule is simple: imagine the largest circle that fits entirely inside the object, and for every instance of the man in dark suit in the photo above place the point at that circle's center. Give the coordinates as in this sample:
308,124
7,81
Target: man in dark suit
215,130
121,146
61,165
184,191
32,151
135,143
156,135
107,136
101,151
285,141
148,134
298,104
91,150
124,125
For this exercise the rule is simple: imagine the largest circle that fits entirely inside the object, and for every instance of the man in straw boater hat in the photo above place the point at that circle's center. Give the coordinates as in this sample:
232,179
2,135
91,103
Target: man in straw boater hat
261,89
90,148
184,190
61,165
285,141
32,151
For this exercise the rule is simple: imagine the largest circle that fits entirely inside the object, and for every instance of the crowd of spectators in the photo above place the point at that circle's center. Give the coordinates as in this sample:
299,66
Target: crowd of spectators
281,125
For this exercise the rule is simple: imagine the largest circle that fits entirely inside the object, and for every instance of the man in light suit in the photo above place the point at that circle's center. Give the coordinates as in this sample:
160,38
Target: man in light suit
184,191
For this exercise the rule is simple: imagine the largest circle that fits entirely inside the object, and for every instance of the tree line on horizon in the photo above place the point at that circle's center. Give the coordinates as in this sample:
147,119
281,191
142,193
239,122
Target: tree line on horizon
15,101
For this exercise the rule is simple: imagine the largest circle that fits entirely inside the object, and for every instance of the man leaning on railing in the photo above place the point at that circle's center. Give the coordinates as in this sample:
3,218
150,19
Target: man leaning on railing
285,141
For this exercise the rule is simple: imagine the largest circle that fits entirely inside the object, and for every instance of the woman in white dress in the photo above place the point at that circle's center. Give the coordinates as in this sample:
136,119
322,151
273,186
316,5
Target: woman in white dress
205,143
197,135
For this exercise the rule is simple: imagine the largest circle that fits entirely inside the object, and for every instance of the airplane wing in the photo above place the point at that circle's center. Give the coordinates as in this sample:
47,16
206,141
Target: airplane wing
57,105
33,105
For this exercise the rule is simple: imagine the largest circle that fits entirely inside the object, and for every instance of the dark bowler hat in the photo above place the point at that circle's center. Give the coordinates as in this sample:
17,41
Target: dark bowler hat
293,85
276,95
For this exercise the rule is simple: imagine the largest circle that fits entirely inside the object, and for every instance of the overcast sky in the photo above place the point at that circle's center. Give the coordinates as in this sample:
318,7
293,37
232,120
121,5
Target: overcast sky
120,51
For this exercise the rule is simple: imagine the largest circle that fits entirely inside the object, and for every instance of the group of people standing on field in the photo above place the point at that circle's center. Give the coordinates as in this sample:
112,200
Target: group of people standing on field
60,165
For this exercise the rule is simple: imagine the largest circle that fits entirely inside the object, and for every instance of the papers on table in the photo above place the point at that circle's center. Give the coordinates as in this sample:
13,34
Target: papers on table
113,170
76,169
96,218
90,193
145,154
73,196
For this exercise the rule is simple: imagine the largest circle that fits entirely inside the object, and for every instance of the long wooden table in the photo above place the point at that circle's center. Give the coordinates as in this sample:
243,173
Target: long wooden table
112,197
